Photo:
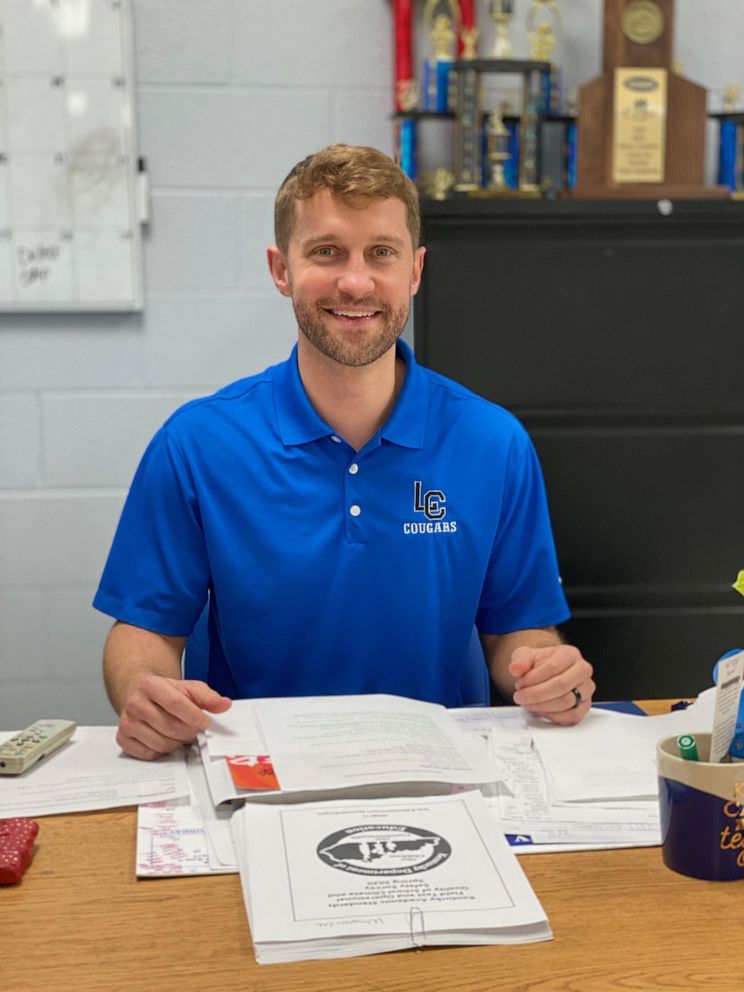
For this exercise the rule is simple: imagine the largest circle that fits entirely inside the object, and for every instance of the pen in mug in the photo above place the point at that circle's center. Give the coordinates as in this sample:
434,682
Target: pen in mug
687,747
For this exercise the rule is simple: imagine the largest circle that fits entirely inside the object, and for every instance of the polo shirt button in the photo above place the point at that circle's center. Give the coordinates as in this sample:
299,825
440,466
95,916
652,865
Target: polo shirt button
353,469
335,438
355,510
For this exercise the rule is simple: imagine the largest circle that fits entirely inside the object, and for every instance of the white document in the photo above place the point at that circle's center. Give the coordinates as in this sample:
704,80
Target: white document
609,755
322,745
521,804
529,847
186,836
340,741
344,878
216,821
91,772
172,841
505,734
727,693
590,824
236,732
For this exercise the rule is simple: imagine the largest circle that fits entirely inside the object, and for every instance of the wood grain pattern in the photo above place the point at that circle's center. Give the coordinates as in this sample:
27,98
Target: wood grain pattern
81,922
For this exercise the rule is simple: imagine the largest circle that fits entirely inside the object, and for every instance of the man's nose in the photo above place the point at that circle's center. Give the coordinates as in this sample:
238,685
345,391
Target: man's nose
355,278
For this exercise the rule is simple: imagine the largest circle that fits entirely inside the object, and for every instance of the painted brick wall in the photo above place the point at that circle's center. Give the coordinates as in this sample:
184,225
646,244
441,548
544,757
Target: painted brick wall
231,93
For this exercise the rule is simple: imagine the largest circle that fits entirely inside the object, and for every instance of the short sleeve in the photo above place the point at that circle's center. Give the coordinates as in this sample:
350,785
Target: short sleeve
522,588
157,573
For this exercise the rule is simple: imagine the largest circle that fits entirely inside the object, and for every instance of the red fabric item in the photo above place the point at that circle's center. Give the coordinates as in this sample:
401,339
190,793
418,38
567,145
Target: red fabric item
16,846
467,20
467,13
403,48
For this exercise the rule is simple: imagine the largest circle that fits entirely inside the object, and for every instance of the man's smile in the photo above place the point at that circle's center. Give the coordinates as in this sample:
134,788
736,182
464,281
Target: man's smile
349,316
353,313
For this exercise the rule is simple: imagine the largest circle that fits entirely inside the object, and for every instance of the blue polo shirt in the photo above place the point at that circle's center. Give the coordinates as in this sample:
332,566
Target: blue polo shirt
328,570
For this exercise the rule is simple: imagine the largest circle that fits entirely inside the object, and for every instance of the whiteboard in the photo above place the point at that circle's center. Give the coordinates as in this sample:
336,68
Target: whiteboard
69,225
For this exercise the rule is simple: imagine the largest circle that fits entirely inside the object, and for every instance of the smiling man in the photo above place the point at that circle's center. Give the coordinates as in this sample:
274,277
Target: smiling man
348,516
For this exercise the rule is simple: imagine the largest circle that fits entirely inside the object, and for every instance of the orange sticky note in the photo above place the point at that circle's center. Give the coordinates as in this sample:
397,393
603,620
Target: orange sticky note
251,772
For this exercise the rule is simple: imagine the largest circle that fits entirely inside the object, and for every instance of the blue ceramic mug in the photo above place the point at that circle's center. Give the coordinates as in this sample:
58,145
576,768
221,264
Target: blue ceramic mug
702,812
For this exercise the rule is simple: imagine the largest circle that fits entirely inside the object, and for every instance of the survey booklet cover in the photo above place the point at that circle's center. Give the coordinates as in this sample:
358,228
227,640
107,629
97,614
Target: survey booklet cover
343,878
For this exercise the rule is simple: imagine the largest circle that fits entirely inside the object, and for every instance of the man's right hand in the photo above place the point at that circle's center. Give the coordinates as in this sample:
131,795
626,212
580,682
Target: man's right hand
161,714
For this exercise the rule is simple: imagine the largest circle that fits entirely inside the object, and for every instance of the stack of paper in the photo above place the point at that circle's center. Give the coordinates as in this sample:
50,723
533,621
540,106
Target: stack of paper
548,788
188,836
91,772
331,746
576,788
344,878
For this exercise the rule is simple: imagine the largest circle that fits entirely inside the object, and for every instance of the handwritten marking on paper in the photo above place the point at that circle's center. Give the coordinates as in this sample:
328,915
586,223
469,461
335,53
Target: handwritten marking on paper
171,840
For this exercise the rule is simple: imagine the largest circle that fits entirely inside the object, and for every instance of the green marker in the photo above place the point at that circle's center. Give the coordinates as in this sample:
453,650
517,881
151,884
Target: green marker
687,748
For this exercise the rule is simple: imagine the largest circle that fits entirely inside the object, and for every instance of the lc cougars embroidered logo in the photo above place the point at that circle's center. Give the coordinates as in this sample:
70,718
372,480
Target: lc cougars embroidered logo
431,504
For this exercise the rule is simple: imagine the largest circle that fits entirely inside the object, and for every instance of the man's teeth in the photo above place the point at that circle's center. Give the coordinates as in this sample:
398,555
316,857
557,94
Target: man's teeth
354,313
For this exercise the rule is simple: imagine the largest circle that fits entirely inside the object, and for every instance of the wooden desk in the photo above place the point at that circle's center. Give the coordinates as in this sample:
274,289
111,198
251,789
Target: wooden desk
80,922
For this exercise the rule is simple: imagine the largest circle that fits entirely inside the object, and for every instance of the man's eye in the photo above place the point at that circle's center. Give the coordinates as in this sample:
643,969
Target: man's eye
383,252
325,251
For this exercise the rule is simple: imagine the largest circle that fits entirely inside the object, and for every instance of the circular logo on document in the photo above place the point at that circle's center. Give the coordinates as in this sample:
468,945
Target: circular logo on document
384,849
643,21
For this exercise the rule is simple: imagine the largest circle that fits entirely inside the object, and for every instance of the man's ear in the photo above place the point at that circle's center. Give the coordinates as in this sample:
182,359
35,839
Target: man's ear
418,265
279,270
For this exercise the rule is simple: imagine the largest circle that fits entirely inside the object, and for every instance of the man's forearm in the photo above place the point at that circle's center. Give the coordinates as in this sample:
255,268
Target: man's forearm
131,653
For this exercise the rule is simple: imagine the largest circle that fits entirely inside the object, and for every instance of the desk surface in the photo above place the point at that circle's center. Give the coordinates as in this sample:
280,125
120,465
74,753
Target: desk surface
80,922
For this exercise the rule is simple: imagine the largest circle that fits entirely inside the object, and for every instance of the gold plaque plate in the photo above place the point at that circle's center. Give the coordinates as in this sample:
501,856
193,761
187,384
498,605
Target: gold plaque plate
643,22
639,126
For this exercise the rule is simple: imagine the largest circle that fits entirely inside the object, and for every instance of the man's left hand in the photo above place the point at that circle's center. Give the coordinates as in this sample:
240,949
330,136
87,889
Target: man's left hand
554,682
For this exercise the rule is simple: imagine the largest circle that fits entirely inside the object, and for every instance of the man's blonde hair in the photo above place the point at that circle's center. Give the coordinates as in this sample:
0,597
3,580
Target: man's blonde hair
354,173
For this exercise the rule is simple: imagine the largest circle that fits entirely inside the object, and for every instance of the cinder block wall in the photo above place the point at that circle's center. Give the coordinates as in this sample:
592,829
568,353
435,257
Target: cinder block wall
230,94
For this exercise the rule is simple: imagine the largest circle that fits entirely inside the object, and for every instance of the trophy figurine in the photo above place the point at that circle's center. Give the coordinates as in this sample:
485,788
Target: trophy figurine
442,25
469,39
502,12
543,32
731,98
438,183
542,42
543,29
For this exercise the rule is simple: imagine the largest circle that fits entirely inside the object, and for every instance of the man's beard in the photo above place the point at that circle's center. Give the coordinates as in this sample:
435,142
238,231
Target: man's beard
354,349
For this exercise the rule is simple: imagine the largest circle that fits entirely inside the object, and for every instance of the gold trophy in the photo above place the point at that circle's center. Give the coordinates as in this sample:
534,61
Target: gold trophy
469,39
502,12
438,183
443,38
731,98
543,29
442,20
543,34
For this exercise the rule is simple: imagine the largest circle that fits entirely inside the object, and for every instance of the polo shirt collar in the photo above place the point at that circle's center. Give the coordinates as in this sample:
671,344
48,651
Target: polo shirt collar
406,425
299,423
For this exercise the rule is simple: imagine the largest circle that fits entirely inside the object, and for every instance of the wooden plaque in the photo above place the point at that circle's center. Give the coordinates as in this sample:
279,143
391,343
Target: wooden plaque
669,159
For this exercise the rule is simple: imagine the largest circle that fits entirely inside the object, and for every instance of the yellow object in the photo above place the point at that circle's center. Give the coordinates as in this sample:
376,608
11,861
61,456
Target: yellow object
739,584
640,119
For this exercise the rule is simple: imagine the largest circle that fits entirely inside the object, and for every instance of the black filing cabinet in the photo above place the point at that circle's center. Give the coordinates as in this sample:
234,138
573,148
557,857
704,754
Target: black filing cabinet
614,330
